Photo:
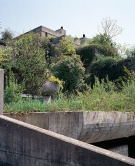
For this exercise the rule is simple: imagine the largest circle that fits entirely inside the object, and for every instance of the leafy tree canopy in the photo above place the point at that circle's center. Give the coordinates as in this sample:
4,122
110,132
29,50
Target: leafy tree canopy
7,35
28,59
66,47
101,39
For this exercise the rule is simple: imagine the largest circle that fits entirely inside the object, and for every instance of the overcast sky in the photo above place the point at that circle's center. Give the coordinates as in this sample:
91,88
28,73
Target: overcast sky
77,17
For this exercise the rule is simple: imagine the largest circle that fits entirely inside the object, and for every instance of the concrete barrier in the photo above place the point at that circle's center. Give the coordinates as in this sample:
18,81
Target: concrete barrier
22,144
1,90
86,126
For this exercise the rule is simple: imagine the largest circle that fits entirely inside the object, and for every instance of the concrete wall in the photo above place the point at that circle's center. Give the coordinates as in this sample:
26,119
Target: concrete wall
22,144
61,31
86,126
43,31
120,146
1,90
122,149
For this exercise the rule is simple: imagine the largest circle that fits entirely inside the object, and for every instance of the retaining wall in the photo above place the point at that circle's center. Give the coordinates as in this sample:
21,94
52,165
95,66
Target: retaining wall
22,144
86,126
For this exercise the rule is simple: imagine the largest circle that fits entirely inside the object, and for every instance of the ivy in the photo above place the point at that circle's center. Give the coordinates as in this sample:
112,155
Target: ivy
88,52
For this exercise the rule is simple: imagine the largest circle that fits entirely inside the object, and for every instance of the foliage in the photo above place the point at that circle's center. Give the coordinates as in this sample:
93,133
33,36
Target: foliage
2,42
28,60
103,97
66,47
88,52
130,75
133,52
106,62
13,90
101,39
45,44
7,35
99,56
130,52
55,80
112,68
70,70
3,57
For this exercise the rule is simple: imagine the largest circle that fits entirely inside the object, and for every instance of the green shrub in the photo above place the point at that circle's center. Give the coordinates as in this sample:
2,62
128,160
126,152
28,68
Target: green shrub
2,42
112,68
69,69
66,47
3,58
107,62
101,39
13,91
88,52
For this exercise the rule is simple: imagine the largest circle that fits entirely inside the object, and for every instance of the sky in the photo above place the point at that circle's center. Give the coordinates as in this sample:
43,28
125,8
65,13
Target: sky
77,17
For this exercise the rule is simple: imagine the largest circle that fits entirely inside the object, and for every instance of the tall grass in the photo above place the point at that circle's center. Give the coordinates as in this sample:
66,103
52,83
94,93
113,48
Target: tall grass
103,97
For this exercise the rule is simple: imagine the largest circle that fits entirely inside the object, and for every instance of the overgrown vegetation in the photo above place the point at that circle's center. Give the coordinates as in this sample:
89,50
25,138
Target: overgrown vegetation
112,68
2,42
66,47
28,62
88,52
92,77
13,90
69,69
103,97
3,57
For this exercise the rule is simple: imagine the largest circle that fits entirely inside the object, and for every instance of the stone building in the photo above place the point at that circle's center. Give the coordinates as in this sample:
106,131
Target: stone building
57,35
48,33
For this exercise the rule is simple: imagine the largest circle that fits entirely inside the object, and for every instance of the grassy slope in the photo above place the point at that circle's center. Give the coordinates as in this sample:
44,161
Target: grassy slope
103,97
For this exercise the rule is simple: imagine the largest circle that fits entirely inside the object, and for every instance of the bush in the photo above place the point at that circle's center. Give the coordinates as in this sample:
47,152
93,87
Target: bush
13,90
3,57
101,39
112,68
69,69
106,62
2,42
88,52
66,47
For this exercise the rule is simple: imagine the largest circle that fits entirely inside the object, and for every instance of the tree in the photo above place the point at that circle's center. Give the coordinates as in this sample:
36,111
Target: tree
7,35
70,70
28,60
66,47
101,39
110,28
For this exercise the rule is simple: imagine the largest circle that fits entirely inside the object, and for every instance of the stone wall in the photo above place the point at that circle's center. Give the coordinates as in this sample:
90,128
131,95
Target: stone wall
46,32
122,149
